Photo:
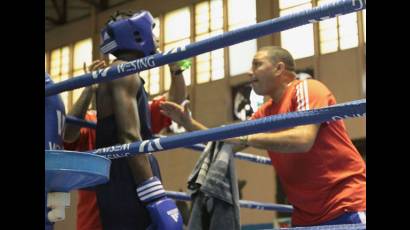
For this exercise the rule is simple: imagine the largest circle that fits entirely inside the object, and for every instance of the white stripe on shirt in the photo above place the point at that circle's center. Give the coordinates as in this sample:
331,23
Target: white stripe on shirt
300,97
306,94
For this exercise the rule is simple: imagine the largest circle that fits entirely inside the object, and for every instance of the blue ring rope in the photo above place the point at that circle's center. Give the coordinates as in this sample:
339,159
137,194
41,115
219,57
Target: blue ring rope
242,203
315,116
216,42
239,155
197,147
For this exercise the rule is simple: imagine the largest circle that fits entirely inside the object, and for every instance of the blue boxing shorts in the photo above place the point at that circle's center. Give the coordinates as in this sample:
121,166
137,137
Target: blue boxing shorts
348,218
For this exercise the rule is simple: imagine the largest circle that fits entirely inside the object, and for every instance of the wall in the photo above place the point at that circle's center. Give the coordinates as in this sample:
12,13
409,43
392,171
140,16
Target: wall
342,73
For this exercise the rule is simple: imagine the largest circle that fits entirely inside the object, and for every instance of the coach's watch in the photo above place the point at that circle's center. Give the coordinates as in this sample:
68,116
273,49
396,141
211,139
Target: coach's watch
177,72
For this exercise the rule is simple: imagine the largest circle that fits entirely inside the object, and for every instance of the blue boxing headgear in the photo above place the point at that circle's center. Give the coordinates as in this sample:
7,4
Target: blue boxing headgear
129,34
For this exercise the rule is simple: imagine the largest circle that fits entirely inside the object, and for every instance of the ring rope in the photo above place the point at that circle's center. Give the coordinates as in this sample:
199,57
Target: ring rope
242,203
315,116
239,155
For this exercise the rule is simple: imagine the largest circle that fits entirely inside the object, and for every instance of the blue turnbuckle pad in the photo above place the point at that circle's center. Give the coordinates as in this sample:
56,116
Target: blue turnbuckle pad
70,170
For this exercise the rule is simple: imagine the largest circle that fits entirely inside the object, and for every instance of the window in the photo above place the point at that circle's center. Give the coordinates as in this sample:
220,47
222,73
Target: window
348,34
284,4
67,62
208,23
241,55
59,68
83,51
154,81
292,39
338,33
152,76
328,36
177,32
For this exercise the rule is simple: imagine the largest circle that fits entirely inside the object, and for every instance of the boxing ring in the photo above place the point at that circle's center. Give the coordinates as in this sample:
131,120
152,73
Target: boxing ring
67,170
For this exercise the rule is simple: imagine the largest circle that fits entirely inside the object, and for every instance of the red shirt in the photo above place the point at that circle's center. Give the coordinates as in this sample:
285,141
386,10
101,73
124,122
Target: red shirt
88,215
328,180
161,121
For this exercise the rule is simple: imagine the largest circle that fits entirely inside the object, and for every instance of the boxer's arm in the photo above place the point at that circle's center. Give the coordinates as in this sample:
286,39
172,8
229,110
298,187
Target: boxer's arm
124,91
177,90
79,109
